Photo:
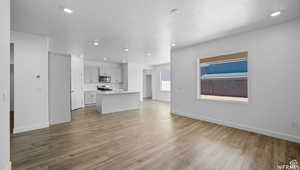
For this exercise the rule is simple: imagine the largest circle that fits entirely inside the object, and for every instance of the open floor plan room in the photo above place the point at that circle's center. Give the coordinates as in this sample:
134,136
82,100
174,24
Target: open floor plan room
149,85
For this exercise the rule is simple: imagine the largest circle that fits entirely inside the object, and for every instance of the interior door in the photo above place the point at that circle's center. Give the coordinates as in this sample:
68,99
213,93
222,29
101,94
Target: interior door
149,86
59,88
77,82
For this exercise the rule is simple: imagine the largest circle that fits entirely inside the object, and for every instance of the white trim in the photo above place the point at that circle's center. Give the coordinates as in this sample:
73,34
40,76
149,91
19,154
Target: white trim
198,78
8,167
225,61
243,127
61,121
168,91
29,128
223,100
59,53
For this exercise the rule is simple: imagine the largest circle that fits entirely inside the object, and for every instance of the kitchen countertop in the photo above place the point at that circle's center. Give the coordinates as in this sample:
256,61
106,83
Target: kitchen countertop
115,92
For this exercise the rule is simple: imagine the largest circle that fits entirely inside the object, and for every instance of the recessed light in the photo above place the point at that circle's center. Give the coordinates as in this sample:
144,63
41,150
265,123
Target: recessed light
149,54
123,61
126,49
104,58
96,43
173,44
274,14
68,11
174,11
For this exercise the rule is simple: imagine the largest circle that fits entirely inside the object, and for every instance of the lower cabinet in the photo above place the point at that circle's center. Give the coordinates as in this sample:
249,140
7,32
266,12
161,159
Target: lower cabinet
90,98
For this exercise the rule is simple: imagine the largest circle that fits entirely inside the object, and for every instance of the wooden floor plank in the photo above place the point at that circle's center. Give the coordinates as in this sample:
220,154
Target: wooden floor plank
148,139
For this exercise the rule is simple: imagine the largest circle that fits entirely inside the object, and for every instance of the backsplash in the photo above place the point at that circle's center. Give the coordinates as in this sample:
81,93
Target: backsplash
93,86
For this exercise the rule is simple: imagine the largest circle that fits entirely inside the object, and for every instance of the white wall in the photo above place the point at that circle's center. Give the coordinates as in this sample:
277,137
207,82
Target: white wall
274,81
4,84
157,94
31,93
59,88
135,78
125,76
11,77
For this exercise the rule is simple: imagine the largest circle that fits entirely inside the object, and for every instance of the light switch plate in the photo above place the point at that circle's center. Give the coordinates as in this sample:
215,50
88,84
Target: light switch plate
4,97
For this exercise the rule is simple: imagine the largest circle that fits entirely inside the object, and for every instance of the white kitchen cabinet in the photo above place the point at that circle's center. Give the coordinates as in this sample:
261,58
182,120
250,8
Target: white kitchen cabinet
102,71
92,71
91,74
90,97
105,70
114,72
116,75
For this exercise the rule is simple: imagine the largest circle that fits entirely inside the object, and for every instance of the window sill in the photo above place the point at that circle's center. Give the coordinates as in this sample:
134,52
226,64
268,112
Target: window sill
224,99
165,91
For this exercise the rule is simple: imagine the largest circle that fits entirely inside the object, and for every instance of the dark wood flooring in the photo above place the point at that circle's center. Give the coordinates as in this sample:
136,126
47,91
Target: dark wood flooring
148,139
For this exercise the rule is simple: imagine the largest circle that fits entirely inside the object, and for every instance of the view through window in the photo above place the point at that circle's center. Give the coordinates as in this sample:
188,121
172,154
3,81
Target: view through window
224,77
165,81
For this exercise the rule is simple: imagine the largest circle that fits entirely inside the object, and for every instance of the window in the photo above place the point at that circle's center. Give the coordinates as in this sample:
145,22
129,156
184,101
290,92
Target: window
224,77
165,81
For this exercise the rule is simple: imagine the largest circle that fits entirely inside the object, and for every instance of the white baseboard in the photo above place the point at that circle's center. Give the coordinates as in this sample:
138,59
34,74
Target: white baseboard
32,127
8,167
162,100
61,121
243,127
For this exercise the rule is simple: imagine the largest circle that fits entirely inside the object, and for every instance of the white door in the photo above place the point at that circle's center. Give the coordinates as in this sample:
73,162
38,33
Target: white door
59,88
77,82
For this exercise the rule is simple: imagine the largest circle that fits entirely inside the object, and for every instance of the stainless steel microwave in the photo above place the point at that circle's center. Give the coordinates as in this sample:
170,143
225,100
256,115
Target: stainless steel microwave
105,79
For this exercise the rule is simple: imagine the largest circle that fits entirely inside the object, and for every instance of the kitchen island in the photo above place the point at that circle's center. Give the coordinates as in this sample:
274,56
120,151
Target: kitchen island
117,101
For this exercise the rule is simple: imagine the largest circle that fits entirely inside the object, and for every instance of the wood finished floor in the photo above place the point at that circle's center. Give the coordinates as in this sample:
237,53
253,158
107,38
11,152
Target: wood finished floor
149,139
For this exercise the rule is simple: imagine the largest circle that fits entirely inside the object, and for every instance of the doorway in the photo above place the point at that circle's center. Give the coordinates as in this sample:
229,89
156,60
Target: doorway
12,91
147,87
76,82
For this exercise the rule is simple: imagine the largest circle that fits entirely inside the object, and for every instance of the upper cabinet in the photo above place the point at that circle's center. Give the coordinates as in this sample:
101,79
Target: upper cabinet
93,71
91,74
104,70
116,75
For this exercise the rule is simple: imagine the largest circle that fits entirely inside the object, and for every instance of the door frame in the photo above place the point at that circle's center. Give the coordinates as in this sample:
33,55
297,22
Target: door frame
81,81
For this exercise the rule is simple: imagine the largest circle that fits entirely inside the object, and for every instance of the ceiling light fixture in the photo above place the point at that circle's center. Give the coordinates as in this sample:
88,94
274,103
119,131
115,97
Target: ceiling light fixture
174,11
104,58
126,49
173,44
96,43
274,14
149,54
68,11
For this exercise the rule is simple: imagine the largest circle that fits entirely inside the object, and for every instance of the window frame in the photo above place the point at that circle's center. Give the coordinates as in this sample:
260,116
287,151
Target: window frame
219,98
